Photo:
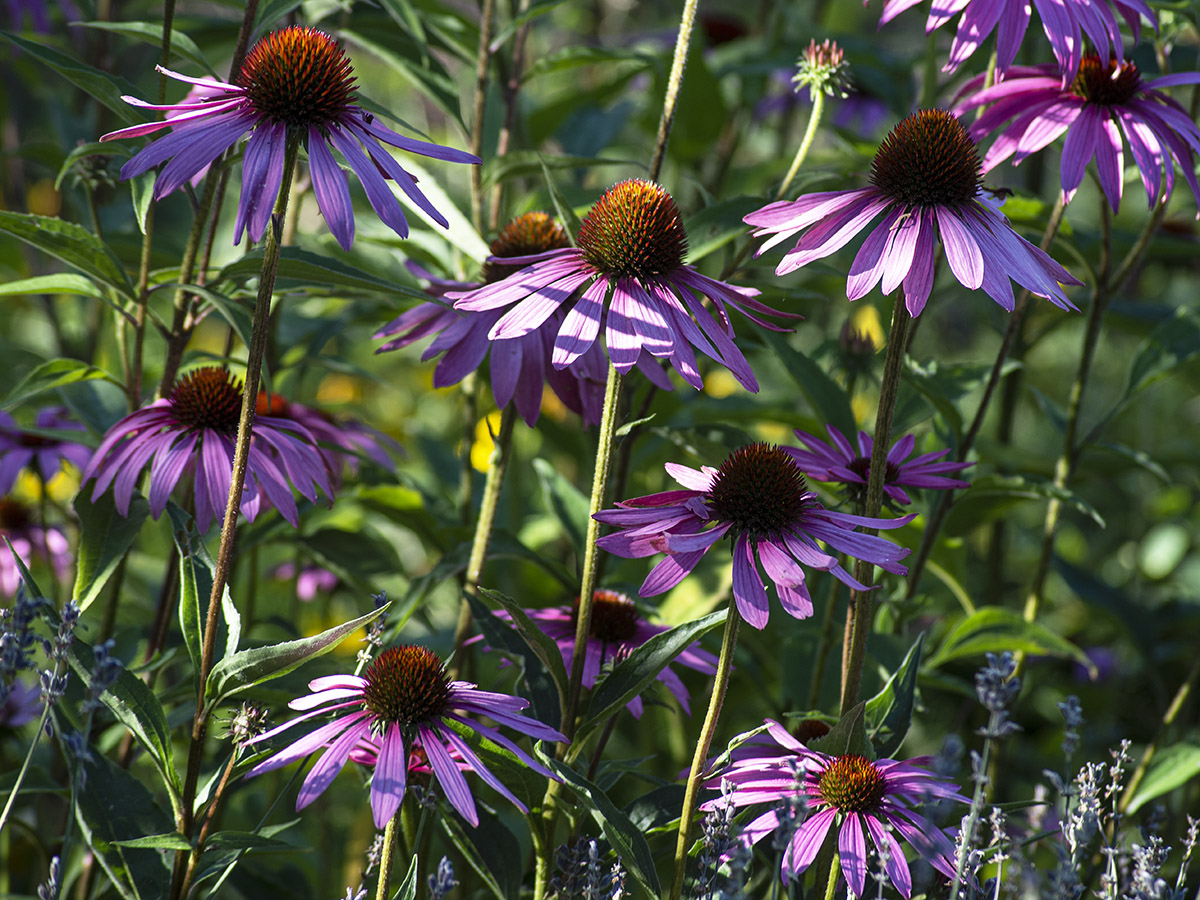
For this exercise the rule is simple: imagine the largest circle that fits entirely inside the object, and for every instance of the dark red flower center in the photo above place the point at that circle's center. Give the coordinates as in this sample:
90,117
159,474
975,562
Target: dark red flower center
852,784
1106,84
614,617
14,516
633,231
209,398
271,405
533,232
760,489
861,466
406,685
298,76
927,160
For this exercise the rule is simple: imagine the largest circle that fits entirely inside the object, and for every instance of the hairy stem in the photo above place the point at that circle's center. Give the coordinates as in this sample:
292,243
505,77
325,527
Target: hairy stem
674,80
483,60
810,132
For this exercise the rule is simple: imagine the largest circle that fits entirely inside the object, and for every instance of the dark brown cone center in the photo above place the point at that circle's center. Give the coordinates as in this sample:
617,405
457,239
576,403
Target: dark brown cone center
852,784
299,77
533,232
928,160
208,398
406,685
760,489
1106,84
633,231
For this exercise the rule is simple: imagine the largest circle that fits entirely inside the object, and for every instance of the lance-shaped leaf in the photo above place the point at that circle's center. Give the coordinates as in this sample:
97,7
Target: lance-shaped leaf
73,244
105,538
889,713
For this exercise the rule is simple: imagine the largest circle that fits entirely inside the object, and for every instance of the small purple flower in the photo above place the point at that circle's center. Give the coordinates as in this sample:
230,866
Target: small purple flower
1102,103
404,697
839,461
29,540
21,704
38,14
294,81
520,366
627,274
1064,21
867,797
20,448
617,629
758,498
311,581
195,429
925,180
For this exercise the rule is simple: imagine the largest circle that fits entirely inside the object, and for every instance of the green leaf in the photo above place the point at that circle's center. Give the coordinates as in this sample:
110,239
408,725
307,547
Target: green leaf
302,269
491,854
580,55
246,840
563,211
246,668
1168,770
716,225
889,713
1168,346
992,496
95,83
196,568
152,33
628,841
408,887
565,502
81,151
527,163
526,785
52,374
847,737
355,557
115,806
61,283
105,538
137,708
411,61
995,629
71,243
170,841
827,397
632,676
539,643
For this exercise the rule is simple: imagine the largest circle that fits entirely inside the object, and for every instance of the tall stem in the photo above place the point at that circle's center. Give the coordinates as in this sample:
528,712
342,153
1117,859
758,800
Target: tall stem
258,340
810,132
860,601
700,757
587,584
387,857
674,80
483,61
497,466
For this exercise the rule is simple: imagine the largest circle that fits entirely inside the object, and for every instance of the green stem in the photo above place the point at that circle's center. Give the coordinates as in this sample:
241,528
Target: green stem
700,757
810,132
387,857
587,584
258,336
16,787
497,466
860,601
1169,717
483,60
674,80
835,870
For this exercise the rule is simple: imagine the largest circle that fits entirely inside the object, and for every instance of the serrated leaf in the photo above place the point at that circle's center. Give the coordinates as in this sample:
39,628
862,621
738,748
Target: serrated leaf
565,503
137,708
632,676
827,397
105,537
152,34
889,713
995,629
246,668
71,243
629,842
96,83
1168,770
847,737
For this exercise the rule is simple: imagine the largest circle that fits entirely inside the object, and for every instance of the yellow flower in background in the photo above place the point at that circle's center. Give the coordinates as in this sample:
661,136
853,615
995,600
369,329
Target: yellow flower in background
481,448
865,320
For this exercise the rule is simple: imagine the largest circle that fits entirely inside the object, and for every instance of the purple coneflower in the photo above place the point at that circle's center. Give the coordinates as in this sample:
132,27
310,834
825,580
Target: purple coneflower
520,366
29,540
311,581
342,441
1103,102
875,797
1064,21
925,180
629,266
758,498
195,429
617,629
296,81
839,461
404,697
20,448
